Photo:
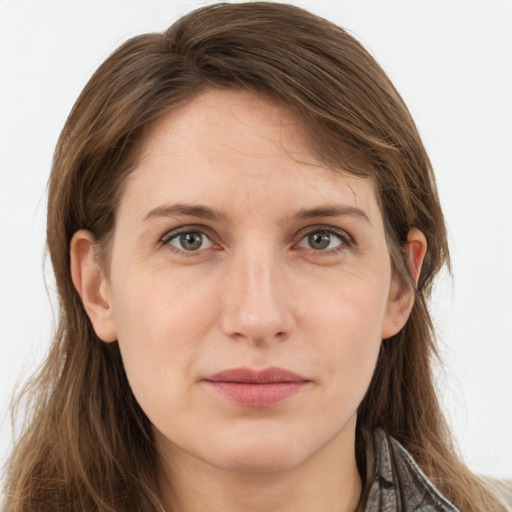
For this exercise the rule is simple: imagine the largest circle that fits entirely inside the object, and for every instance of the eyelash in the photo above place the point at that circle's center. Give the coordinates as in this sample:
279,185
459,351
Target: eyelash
168,237
346,241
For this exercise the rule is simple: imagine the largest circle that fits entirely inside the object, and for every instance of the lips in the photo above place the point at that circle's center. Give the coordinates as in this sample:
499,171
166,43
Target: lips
256,388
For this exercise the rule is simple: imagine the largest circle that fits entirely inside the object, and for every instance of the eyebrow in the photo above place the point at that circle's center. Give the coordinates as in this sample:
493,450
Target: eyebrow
205,212
172,210
332,211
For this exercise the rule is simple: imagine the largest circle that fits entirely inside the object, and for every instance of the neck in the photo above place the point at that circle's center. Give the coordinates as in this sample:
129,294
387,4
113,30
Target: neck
328,481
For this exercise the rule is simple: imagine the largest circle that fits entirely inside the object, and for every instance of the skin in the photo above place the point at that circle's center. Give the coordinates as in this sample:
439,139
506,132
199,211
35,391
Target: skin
255,293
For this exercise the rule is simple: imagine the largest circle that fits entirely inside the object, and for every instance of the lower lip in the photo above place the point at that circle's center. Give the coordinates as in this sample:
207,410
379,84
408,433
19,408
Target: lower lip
257,395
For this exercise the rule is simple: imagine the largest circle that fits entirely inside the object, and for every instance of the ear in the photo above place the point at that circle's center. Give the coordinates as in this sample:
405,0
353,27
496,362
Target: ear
401,299
92,285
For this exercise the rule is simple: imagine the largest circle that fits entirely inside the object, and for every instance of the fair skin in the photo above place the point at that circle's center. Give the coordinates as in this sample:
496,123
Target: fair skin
235,247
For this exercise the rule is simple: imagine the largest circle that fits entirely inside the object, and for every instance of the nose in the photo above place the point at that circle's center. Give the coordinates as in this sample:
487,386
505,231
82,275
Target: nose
256,305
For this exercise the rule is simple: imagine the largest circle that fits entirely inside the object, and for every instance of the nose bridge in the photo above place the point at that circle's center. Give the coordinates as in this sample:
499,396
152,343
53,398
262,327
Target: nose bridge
255,306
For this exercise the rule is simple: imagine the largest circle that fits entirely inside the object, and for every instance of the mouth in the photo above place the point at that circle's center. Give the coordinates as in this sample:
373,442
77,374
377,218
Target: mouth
256,388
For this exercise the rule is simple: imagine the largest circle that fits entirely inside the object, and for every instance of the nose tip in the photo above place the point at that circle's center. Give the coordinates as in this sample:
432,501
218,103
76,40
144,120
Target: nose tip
258,317
256,305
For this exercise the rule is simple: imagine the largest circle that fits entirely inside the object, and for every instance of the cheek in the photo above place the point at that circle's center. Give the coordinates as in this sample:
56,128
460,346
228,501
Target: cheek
351,302
160,323
159,308
344,329
349,354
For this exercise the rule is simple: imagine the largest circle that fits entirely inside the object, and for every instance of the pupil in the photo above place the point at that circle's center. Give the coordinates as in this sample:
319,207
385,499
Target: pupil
191,241
319,240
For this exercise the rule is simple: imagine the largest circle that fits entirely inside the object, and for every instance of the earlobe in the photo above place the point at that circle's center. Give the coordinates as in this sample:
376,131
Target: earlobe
401,298
92,285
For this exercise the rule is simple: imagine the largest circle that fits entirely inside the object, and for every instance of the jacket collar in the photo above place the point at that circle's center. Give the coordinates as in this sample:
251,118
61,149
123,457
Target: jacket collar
398,484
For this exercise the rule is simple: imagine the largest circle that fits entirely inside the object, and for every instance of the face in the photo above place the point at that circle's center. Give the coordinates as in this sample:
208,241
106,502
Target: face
249,289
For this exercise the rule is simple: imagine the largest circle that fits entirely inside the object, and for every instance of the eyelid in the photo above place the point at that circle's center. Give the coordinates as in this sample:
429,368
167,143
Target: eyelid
189,228
347,240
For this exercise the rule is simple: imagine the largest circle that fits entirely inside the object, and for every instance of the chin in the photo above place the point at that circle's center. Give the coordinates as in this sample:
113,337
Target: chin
259,454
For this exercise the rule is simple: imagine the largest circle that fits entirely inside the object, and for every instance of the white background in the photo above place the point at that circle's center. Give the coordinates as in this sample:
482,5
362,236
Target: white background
451,61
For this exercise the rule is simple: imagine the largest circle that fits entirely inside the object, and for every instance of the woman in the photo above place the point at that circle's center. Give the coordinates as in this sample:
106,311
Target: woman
244,229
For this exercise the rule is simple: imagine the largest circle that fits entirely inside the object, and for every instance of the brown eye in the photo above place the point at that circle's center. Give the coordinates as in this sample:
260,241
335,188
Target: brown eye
190,241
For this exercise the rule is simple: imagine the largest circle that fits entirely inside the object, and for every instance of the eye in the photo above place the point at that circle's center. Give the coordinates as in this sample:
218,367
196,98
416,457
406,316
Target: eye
189,241
323,240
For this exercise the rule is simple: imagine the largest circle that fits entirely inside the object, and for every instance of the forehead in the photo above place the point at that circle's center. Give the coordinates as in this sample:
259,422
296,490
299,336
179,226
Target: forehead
233,128
242,150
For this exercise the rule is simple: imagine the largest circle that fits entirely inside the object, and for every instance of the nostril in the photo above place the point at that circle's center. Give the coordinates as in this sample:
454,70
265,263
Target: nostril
261,340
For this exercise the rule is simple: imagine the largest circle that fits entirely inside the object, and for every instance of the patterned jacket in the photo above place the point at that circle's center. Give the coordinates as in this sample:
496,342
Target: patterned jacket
399,485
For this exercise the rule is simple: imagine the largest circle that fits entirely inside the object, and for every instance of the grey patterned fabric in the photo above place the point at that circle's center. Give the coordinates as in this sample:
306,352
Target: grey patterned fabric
398,484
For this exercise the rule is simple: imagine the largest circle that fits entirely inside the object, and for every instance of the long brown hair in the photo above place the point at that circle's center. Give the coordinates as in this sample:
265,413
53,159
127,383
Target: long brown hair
88,445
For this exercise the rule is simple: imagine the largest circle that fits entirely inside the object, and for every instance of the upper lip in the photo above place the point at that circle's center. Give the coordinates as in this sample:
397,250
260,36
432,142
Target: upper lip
250,376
